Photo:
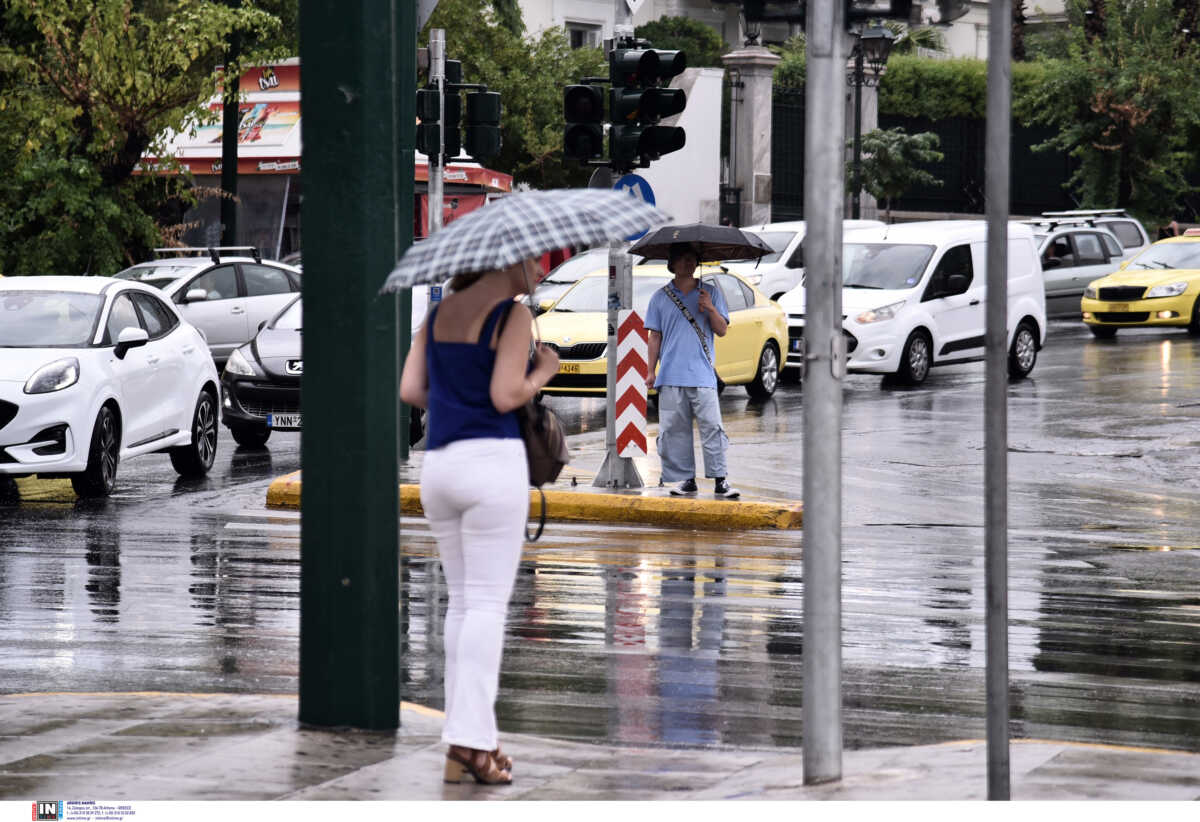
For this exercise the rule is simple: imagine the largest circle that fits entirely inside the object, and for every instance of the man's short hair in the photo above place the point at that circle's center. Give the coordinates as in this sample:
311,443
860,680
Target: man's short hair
677,250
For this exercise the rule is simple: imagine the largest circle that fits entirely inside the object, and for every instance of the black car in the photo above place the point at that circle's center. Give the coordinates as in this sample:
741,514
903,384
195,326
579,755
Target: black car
261,380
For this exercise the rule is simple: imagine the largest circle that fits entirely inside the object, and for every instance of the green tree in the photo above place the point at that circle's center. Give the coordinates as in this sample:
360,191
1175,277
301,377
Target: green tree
1123,103
700,42
910,38
530,74
891,163
88,87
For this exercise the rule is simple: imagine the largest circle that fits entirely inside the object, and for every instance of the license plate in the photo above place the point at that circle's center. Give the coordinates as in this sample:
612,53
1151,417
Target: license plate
568,368
283,421
1118,307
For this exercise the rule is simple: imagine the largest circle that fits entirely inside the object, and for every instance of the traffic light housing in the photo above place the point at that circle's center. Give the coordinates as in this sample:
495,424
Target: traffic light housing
483,124
637,101
583,135
427,129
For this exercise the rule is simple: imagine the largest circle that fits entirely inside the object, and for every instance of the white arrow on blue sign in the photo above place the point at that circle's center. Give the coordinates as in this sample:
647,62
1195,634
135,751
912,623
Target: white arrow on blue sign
635,186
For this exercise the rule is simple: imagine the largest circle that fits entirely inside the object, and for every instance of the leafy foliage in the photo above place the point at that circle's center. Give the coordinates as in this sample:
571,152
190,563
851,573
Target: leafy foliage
529,73
891,163
88,87
1123,103
941,89
700,42
791,71
911,38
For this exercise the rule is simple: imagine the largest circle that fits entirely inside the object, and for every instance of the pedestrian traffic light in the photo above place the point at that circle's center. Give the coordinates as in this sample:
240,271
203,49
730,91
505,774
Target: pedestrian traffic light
637,102
583,135
483,124
428,110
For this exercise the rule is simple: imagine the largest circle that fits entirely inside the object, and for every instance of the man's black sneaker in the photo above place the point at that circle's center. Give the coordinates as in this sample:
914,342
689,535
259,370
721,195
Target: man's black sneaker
687,488
723,489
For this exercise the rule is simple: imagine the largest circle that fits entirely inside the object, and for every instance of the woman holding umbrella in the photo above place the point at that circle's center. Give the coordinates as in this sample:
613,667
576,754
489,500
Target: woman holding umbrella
470,367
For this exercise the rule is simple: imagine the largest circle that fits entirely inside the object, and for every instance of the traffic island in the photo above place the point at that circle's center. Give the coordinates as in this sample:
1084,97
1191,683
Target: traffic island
649,507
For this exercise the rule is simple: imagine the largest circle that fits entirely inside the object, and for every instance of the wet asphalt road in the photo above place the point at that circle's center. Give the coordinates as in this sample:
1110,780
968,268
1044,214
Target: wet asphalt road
639,634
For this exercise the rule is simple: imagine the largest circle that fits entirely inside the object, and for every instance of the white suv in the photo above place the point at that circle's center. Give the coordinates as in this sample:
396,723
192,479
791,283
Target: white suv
914,296
782,269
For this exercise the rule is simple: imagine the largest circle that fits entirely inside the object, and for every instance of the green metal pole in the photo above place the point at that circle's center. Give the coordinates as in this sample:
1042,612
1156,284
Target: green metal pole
351,56
230,120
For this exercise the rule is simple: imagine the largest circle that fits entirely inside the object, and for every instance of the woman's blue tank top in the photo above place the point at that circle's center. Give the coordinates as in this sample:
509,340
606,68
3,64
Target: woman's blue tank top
460,379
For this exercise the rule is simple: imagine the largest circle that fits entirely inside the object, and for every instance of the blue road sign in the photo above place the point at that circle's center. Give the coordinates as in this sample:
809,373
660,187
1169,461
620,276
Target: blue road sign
635,186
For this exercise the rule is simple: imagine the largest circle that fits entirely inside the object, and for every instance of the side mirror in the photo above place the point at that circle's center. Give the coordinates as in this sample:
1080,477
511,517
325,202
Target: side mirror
545,305
957,284
1051,262
195,295
130,338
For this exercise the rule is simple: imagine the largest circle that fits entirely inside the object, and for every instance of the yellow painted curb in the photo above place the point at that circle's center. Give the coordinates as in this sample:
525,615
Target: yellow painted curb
599,506
35,489
285,492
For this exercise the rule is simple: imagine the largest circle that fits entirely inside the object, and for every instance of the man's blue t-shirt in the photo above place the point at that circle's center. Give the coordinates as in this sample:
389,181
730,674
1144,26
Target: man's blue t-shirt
682,359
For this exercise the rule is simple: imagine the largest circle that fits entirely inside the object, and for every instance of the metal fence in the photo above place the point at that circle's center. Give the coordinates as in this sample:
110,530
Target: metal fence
1037,179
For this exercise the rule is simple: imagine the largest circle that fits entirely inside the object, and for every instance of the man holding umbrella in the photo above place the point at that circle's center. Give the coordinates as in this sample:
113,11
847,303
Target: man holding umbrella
682,319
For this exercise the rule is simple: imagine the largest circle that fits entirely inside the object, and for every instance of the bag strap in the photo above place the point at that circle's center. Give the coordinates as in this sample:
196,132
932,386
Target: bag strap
541,520
692,320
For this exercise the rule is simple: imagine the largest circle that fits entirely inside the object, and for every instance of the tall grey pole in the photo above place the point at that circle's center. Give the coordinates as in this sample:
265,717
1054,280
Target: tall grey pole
437,76
824,189
616,471
995,483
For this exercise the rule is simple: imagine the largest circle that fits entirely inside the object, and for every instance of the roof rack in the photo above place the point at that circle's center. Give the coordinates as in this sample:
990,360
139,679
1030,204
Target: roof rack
1088,212
1051,223
213,251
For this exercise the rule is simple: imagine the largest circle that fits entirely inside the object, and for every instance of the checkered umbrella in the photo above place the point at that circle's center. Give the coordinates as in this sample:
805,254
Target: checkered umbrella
521,226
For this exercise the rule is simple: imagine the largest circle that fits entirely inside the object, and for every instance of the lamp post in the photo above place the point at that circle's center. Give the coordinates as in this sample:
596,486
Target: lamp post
871,49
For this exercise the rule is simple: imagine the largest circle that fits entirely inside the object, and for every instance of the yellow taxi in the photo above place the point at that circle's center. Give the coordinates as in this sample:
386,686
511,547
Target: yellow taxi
748,354
1158,287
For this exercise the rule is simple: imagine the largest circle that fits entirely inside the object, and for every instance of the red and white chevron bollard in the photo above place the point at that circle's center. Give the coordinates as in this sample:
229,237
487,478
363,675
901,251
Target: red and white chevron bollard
632,342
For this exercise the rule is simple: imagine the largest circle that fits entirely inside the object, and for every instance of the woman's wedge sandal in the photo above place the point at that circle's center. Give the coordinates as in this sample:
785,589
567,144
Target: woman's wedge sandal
478,764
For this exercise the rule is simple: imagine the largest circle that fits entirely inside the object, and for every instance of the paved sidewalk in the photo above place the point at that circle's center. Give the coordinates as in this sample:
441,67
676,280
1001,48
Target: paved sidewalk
158,746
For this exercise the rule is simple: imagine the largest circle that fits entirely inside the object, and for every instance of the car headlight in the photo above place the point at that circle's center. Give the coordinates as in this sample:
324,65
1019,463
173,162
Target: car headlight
1172,290
878,315
237,364
1090,292
56,376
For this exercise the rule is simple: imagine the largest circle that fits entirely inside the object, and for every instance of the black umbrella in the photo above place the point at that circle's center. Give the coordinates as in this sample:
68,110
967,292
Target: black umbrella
712,242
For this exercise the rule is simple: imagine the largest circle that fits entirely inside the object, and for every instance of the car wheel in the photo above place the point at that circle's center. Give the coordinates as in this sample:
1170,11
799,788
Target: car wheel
250,436
767,378
1194,325
100,476
195,458
916,359
1022,356
1103,332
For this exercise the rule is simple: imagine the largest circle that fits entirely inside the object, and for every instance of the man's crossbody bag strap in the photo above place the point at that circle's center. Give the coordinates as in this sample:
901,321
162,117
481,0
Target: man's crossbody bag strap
695,326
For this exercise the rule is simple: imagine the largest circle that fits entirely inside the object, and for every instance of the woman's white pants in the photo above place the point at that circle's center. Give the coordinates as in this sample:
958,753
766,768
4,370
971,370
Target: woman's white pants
475,493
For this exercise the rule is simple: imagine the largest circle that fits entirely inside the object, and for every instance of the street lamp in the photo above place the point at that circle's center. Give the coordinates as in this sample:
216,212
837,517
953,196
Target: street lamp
871,49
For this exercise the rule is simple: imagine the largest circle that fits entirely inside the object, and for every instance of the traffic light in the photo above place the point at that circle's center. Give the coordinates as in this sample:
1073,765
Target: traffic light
637,103
427,129
483,124
583,135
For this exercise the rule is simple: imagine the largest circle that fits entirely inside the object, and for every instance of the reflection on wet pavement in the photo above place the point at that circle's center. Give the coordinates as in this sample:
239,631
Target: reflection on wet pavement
641,635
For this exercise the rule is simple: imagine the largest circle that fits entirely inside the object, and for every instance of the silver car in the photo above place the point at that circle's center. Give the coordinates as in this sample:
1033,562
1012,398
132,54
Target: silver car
226,297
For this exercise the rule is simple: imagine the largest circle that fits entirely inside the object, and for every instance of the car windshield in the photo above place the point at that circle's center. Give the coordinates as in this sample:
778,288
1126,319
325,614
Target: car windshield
47,319
884,265
778,240
1168,255
591,294
290,320
578,266
158,276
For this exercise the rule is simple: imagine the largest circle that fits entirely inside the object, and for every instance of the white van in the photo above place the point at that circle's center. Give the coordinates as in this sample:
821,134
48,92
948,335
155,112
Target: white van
782,269
914,296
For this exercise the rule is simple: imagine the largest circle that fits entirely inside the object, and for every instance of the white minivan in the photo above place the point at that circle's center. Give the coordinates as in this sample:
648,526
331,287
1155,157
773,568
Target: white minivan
914,296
